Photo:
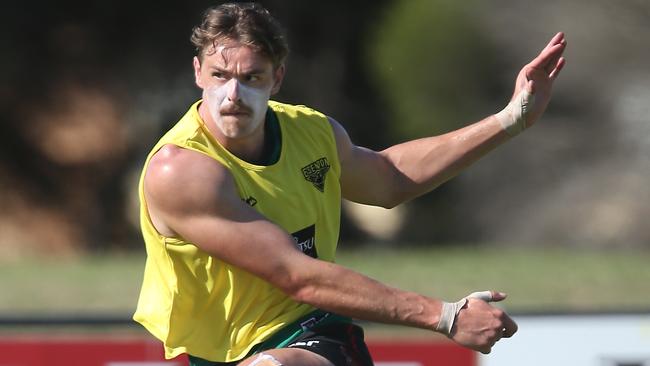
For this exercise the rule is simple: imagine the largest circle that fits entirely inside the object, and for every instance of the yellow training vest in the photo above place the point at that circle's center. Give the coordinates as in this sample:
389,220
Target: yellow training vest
197,304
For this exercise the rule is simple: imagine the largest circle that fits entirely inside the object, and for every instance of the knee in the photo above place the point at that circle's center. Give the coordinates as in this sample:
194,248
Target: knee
265,359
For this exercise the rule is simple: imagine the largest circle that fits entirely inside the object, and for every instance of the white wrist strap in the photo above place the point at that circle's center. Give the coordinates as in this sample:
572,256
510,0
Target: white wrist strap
513,116
448,315
451,309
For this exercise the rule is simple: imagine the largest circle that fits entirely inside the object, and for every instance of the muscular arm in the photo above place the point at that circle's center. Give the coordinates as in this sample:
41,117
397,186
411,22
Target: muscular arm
407,170
410,169
194,197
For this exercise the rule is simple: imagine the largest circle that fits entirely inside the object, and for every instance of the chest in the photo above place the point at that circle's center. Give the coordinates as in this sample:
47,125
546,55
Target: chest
296,192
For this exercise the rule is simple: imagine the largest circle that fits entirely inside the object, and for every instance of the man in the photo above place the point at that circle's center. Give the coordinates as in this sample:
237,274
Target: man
241,204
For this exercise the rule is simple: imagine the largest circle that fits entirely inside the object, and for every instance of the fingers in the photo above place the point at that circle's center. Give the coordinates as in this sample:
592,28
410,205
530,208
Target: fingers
551,53
557,39
554,62
498,296
506,328
558,67
480,325
485,350
548,55
483,295
488,296
509,326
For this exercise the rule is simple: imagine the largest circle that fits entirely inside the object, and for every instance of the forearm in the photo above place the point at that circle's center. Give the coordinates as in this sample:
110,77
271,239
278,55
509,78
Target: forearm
337,289
272,256
422,165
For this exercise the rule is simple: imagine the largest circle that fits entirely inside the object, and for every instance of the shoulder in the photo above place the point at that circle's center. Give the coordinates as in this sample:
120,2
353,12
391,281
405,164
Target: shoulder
320,122
338,129
343,143
296,111
178,178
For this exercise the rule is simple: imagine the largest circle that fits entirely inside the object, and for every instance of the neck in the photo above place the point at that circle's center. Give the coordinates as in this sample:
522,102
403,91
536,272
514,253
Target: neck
248,148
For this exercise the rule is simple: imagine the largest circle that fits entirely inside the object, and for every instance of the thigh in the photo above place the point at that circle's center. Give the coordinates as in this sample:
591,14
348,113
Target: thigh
334,344
342,344
286,357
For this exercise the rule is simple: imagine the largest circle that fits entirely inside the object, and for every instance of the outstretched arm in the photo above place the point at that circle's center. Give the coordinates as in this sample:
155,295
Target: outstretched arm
405,171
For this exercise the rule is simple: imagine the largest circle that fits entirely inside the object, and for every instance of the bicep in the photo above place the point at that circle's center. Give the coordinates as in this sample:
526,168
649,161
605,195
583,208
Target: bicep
196,198
367,176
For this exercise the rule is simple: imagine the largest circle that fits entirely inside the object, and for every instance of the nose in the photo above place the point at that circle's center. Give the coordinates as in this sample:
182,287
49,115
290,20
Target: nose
232,92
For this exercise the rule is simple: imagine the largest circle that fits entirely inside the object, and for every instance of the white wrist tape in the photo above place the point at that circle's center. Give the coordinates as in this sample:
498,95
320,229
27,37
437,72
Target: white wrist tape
448,315
513,116
451,309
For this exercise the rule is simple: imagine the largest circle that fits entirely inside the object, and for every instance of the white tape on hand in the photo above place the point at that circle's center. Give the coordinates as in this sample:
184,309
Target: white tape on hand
448,315
483,295
513,117
451,309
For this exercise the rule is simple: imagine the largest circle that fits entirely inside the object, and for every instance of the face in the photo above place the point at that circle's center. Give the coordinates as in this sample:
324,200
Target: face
237,83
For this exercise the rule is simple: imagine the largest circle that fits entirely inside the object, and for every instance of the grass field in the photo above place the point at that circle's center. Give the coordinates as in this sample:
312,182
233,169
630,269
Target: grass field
536,280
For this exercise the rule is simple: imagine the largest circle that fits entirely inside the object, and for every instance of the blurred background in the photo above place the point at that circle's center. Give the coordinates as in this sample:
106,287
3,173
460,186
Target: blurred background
87,89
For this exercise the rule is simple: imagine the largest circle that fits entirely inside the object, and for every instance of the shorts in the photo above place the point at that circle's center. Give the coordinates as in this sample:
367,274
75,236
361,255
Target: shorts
339,341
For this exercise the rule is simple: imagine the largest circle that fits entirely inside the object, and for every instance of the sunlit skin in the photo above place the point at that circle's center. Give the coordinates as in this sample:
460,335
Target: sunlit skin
233,67
191,196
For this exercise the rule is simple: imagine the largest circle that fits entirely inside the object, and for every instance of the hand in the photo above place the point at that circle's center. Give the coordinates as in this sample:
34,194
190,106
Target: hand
479,325
538,76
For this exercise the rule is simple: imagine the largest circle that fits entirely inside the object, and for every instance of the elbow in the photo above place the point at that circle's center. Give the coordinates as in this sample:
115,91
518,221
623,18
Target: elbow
400,188
303,294
385,198
396,195
298,288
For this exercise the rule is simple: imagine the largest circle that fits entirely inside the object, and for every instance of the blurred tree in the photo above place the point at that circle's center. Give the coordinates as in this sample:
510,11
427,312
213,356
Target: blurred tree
434,67
89,88
86,89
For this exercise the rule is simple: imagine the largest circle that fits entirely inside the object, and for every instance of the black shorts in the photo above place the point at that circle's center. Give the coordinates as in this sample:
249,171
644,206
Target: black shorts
341,343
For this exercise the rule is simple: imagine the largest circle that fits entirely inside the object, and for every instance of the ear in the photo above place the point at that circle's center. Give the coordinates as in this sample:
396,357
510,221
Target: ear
278,76
197,72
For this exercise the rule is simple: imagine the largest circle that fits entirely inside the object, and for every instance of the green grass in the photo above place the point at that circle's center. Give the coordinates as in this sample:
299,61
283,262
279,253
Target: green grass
536,280
80,286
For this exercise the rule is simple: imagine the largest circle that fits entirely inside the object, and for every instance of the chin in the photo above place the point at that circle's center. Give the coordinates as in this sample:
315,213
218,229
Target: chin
235,127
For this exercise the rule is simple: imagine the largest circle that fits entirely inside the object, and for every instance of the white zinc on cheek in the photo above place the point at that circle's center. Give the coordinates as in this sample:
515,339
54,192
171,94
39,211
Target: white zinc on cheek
214,96
255,99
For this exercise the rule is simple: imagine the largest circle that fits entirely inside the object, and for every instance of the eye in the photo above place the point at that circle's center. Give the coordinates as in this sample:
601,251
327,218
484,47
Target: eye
218,75
252,78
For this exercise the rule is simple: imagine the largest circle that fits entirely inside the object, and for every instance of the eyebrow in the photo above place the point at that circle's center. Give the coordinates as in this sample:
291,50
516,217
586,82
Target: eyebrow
251,72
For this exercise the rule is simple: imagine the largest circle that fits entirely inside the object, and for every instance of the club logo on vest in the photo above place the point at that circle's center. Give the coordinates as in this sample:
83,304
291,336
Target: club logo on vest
251,201
315,173
305,240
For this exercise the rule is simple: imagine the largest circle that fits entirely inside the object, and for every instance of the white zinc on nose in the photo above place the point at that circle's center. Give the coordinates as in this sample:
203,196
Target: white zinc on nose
233,91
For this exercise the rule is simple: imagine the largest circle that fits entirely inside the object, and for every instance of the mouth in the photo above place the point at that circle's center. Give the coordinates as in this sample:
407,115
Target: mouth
235,112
